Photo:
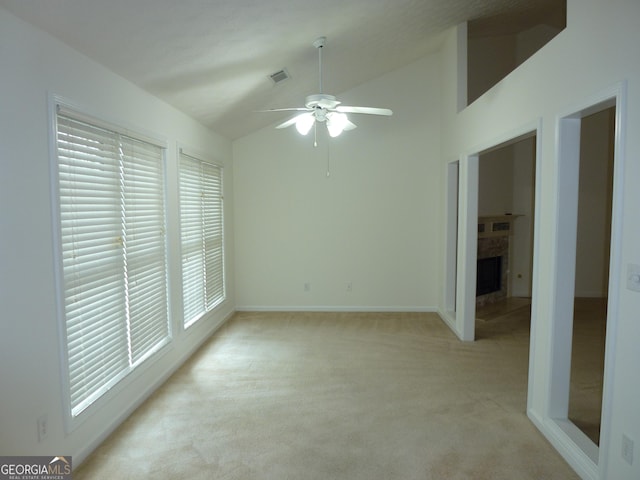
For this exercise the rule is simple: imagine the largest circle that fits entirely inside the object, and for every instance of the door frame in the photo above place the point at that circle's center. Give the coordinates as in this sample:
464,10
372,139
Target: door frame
461,269
579,450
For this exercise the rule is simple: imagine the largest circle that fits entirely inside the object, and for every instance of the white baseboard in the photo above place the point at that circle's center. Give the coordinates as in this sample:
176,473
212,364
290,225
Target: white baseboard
450,321
568,440
329,308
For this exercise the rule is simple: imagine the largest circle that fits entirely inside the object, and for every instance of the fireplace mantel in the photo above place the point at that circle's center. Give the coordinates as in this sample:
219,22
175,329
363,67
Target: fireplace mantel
495,225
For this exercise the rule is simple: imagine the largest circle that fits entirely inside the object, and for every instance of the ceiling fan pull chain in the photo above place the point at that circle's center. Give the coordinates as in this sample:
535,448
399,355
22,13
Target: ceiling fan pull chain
315,134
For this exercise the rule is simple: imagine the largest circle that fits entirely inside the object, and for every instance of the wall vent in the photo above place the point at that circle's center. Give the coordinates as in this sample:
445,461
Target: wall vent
279,76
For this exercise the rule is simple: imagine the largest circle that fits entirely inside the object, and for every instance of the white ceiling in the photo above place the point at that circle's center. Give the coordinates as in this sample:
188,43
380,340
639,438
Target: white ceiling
212,58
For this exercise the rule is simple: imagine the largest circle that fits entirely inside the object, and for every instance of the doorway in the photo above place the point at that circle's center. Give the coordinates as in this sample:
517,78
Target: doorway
593,244
504,263
461,239
587,266
505,218
506,210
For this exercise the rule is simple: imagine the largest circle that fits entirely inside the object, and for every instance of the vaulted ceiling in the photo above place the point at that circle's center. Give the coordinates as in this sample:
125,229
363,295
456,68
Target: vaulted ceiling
212,58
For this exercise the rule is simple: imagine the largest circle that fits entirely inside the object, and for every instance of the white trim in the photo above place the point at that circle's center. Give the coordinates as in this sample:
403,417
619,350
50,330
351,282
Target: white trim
58,105
615,273
451,236
467,247
537,208
123,127
562,284
526,130
584,444
203,158
56,242
571,446
449,320
335,308
563,443
467,221
197,154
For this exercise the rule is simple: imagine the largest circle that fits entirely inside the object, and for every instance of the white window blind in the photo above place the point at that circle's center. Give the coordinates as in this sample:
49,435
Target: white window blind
111,193
201,235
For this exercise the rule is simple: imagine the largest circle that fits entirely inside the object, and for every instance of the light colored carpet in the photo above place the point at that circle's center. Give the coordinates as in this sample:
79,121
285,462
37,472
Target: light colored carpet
338,396
587,365
587,352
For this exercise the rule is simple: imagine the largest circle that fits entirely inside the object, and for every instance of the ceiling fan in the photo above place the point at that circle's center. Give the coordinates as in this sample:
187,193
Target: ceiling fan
324,108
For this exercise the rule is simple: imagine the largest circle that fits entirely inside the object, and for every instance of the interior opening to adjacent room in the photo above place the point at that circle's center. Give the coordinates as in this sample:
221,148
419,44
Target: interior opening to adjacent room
506,211
498,44
506,200
592,271
518,193
572,156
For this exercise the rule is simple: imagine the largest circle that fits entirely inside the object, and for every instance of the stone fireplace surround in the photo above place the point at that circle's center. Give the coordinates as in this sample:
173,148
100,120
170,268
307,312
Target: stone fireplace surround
493,241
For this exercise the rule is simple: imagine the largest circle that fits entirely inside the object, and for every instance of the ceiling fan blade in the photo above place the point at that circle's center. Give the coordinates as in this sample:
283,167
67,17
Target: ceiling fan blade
292,120
290,109
367,110
349,125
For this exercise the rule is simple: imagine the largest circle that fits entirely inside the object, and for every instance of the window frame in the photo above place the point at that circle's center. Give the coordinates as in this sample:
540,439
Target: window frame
59,106
202,159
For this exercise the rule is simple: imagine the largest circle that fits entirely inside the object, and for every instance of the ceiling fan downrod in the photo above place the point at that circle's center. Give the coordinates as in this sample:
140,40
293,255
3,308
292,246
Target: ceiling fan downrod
319,43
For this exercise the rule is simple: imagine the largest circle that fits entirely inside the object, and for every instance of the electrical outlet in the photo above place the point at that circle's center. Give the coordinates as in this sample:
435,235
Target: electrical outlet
627,449
307,286
43,428
633,277
349,287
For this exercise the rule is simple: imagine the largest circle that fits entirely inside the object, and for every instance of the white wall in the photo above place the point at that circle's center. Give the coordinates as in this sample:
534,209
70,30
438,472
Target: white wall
495,182
594,211
35,65
373,222
575,68
523,204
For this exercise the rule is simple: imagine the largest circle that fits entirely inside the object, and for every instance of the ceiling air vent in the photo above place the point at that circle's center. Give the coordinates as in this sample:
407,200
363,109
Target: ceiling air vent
279,76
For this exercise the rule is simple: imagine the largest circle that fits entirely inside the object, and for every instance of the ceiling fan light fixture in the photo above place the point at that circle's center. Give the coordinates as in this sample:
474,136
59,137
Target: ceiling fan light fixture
334,131
304,123
322,107
336,123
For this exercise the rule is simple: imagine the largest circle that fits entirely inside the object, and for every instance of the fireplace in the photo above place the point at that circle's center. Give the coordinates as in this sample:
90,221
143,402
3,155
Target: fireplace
492,274
489,275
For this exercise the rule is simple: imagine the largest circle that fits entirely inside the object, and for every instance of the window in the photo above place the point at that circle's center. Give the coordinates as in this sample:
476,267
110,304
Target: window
112,241
201,237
